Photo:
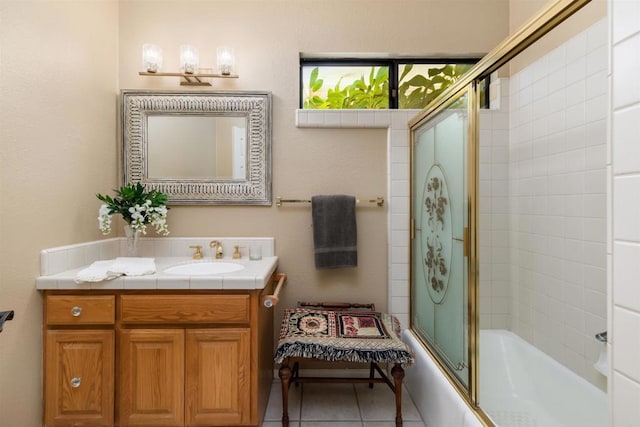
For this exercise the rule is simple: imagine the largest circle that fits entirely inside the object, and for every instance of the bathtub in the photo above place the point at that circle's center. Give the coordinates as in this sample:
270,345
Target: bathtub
522,386
519,386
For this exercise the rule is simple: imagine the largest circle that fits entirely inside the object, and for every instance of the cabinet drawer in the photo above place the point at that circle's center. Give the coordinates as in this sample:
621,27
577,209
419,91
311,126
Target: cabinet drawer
184,308
80,310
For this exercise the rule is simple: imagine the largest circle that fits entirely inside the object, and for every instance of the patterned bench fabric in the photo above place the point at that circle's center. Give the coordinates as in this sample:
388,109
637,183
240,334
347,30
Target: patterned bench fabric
362,336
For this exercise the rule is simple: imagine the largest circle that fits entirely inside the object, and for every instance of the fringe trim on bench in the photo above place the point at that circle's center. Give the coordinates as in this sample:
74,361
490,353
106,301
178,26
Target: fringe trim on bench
334,354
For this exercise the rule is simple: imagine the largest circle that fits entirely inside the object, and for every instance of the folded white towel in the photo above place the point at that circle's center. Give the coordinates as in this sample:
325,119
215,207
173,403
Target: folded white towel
133,266
97,272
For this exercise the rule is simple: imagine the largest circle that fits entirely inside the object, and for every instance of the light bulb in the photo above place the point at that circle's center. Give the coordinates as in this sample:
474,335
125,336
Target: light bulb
226,60
189,59
151,58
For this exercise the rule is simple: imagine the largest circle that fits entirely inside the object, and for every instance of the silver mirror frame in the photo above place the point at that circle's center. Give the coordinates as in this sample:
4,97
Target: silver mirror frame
136,105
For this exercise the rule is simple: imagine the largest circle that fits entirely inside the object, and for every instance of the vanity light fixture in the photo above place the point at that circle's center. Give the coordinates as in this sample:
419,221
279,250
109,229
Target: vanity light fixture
226,60
189,65
189,59
151,58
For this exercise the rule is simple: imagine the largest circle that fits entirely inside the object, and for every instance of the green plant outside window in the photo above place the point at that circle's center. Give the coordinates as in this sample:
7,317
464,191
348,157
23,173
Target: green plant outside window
349,87
368,86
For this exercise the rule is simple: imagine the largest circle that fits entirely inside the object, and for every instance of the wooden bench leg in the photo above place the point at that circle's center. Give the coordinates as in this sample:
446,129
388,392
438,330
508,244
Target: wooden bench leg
398,375
285,375
371,373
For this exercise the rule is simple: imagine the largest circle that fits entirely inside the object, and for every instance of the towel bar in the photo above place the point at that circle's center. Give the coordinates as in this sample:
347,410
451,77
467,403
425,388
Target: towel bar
271,300
378,201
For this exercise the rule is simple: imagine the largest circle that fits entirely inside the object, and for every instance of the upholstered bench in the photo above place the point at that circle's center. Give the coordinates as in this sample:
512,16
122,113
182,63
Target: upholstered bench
337,332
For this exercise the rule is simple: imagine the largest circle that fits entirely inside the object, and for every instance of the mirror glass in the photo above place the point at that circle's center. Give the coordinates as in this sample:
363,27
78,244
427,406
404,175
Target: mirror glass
196,147
199,147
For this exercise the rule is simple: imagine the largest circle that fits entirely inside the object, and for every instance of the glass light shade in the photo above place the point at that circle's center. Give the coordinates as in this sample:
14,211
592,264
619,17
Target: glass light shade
189,59
226,60
151,58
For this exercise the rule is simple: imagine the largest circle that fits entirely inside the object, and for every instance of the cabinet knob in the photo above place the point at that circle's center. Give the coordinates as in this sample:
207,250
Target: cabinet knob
75,382
76,311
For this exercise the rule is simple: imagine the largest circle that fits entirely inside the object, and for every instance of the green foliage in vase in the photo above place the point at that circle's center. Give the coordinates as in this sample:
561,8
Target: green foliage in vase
137,206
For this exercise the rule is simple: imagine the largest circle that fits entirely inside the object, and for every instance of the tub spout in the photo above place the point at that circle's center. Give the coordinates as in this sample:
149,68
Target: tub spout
602,336
602,365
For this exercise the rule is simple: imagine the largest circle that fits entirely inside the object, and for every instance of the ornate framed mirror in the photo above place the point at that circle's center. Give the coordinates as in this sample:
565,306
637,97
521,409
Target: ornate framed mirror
199,147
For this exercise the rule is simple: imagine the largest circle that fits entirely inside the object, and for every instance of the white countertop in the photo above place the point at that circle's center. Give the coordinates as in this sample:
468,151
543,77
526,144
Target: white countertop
255,275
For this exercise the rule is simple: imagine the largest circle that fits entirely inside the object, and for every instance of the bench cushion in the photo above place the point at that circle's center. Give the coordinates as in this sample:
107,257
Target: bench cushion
358,336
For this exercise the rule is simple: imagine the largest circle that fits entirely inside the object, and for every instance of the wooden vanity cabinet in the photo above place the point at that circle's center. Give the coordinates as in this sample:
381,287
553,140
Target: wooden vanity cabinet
79,360
181,359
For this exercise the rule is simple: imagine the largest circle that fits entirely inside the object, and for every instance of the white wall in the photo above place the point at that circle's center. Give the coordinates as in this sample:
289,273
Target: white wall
624,232
58,95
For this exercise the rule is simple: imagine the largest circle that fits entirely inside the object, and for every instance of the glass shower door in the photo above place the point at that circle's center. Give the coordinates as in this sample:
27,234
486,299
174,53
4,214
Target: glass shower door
439,247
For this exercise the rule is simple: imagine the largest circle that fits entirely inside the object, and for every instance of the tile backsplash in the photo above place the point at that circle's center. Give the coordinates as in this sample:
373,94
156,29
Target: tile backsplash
63,258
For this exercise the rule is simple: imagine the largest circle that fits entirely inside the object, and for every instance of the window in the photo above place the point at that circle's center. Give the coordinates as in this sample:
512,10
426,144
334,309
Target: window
376,84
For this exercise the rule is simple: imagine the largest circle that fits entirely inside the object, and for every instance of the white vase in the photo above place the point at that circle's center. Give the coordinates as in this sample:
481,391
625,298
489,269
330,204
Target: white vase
132,240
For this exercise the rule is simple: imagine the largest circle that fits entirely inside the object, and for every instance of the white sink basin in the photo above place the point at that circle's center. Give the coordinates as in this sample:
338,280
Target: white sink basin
204,268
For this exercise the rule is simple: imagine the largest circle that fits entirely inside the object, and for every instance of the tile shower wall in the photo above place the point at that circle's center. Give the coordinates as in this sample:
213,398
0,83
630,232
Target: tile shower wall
624,235
557,201
494,210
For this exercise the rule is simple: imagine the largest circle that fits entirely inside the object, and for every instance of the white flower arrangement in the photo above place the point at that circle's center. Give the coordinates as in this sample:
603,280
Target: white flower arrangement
137,207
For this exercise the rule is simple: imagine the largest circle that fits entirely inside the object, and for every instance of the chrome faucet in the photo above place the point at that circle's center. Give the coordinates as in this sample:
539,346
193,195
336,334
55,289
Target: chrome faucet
217,249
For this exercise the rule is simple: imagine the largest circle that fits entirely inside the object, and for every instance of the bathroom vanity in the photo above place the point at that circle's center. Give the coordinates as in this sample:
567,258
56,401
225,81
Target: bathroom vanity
159,350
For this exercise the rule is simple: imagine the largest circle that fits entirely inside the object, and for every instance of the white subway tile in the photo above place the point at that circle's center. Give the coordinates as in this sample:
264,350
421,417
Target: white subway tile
575,115
626,342
596,133
382,118
625,397
597,84
595,278
597,60
596,108
315,118
597,35
626,16
575,138
349,119
333,119
301,118
595,181
576,47
595,230
595,254
626,271
366,118
626,63
399,120
626,148
399,155
626,208
576,70
575,93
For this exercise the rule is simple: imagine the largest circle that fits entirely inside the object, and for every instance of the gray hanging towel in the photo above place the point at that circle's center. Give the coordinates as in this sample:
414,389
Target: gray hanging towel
334,231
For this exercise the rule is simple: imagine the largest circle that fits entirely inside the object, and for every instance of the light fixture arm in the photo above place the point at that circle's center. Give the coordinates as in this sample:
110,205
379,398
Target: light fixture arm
191,79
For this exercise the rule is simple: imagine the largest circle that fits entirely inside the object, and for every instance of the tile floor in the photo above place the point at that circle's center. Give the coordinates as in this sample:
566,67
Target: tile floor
340,405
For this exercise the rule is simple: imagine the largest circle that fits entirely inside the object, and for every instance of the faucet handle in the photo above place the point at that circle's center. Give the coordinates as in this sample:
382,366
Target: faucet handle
236,252
197,254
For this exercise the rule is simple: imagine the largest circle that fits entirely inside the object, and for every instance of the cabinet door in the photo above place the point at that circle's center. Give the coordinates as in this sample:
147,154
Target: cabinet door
218,386
79,372
151,377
